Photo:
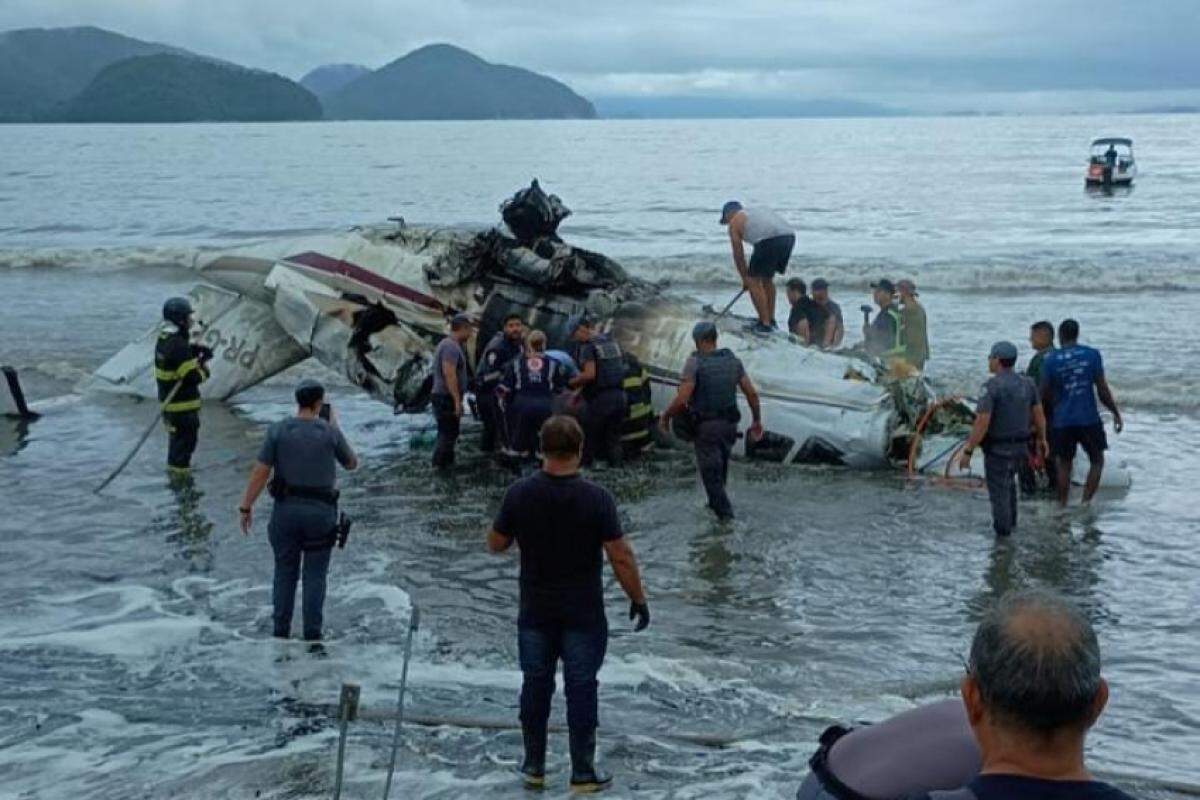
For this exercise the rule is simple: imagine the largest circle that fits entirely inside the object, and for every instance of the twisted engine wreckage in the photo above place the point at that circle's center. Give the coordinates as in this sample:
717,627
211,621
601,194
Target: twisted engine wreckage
373,302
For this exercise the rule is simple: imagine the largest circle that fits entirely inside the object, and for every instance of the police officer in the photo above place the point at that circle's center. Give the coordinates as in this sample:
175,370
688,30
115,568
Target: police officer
530,384
708,391
884,337
302,452
504,348
601,374
179,369
1009,409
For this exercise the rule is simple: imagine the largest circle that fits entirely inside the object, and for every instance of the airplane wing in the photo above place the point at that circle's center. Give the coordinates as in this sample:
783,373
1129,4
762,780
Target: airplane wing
248,342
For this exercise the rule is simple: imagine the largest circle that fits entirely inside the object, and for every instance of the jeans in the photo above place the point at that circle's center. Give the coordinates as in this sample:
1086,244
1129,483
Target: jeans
582,652
1000,470
602,421
447,430
295,523
714,444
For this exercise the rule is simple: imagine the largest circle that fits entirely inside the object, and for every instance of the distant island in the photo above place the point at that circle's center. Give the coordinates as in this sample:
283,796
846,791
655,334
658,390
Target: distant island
330,78
441,81
184,88
88,74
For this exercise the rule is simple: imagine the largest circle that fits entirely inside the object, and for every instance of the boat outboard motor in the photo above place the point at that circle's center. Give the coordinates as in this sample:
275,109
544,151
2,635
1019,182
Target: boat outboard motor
178,311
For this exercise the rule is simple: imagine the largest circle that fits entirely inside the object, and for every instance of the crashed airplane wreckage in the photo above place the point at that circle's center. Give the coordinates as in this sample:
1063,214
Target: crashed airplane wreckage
373,302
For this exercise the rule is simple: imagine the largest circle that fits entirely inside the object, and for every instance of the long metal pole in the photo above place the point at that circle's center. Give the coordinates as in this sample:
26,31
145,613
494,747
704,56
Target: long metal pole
736,297
413,623
145,435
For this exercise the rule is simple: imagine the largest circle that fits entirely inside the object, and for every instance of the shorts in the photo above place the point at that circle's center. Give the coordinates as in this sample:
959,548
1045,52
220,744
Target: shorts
771,256
1063,441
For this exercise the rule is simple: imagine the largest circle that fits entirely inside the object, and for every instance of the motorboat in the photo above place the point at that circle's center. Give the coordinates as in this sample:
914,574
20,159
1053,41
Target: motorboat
1111,162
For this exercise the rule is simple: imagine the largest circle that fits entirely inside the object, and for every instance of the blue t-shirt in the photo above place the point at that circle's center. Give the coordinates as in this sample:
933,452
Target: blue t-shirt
1071,374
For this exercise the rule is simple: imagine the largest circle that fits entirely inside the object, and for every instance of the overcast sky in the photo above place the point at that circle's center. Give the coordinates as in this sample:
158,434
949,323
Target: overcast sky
920,54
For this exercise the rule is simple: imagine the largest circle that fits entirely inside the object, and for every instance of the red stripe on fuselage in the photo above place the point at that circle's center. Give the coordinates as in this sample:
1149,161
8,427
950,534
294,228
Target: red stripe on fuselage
346,269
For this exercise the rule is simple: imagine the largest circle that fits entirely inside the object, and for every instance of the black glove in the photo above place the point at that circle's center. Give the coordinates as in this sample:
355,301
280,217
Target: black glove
641,611
202,353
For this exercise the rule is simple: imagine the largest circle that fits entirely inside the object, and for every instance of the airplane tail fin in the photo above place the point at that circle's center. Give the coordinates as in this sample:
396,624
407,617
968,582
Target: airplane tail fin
12,399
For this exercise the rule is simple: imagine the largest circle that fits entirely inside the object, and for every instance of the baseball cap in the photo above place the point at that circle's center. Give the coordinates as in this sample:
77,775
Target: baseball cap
461,320
704,329
728,210
909,285
796,283
1005,350
885,284
820,283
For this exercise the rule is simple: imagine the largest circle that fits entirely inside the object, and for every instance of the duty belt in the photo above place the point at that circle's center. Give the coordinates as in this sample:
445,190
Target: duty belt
281,490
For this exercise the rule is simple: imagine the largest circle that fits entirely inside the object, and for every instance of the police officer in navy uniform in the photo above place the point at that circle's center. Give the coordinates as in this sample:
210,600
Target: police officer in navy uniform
529,387
179,369
601,378
505,347
299,458
1008,414
708,394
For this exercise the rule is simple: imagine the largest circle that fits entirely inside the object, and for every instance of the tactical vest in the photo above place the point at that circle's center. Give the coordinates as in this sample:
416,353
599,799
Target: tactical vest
887,340
717,375
535,376
176,364
496,356
610,367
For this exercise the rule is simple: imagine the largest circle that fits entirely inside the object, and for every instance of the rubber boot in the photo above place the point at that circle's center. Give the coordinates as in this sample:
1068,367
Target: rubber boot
533,768
585,778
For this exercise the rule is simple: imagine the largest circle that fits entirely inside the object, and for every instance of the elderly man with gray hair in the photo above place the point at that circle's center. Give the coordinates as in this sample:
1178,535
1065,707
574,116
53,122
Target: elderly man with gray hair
1031,693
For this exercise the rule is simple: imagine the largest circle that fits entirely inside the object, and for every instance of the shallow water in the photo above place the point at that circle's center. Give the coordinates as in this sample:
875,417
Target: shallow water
134,625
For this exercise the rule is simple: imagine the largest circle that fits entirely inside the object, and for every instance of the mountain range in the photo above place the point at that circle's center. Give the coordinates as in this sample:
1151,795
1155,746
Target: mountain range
88,74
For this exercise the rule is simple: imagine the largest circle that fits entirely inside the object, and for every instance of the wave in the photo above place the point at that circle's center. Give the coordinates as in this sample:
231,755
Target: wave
1029,272
100,259
1032,273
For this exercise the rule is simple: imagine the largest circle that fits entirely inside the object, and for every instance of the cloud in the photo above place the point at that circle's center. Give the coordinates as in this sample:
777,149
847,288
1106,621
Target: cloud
876,49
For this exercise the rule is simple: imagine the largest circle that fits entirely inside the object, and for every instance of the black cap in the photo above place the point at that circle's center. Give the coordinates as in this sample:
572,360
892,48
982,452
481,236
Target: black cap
461,321
885,284
703,331
820,283
797,284
728,210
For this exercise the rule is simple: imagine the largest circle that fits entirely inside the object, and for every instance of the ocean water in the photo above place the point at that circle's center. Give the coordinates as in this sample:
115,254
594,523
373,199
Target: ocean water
134,649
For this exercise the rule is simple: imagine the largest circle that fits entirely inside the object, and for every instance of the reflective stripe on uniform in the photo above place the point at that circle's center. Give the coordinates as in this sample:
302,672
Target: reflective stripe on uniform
639,410
636,381
180,372
182,405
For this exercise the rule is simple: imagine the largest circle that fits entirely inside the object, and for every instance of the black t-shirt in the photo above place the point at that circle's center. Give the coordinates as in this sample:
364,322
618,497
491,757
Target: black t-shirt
1015,787
802,309
561,525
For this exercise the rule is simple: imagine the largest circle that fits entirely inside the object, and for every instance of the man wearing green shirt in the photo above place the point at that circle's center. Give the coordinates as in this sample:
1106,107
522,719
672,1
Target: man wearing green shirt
912,318
1041,339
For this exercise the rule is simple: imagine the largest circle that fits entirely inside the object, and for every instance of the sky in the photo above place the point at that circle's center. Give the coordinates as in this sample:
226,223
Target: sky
918,55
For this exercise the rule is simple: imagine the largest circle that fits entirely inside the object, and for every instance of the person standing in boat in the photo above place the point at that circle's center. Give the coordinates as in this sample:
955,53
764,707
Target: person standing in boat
773,239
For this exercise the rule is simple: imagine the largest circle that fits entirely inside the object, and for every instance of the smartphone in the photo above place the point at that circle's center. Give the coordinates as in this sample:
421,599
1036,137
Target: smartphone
324,412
